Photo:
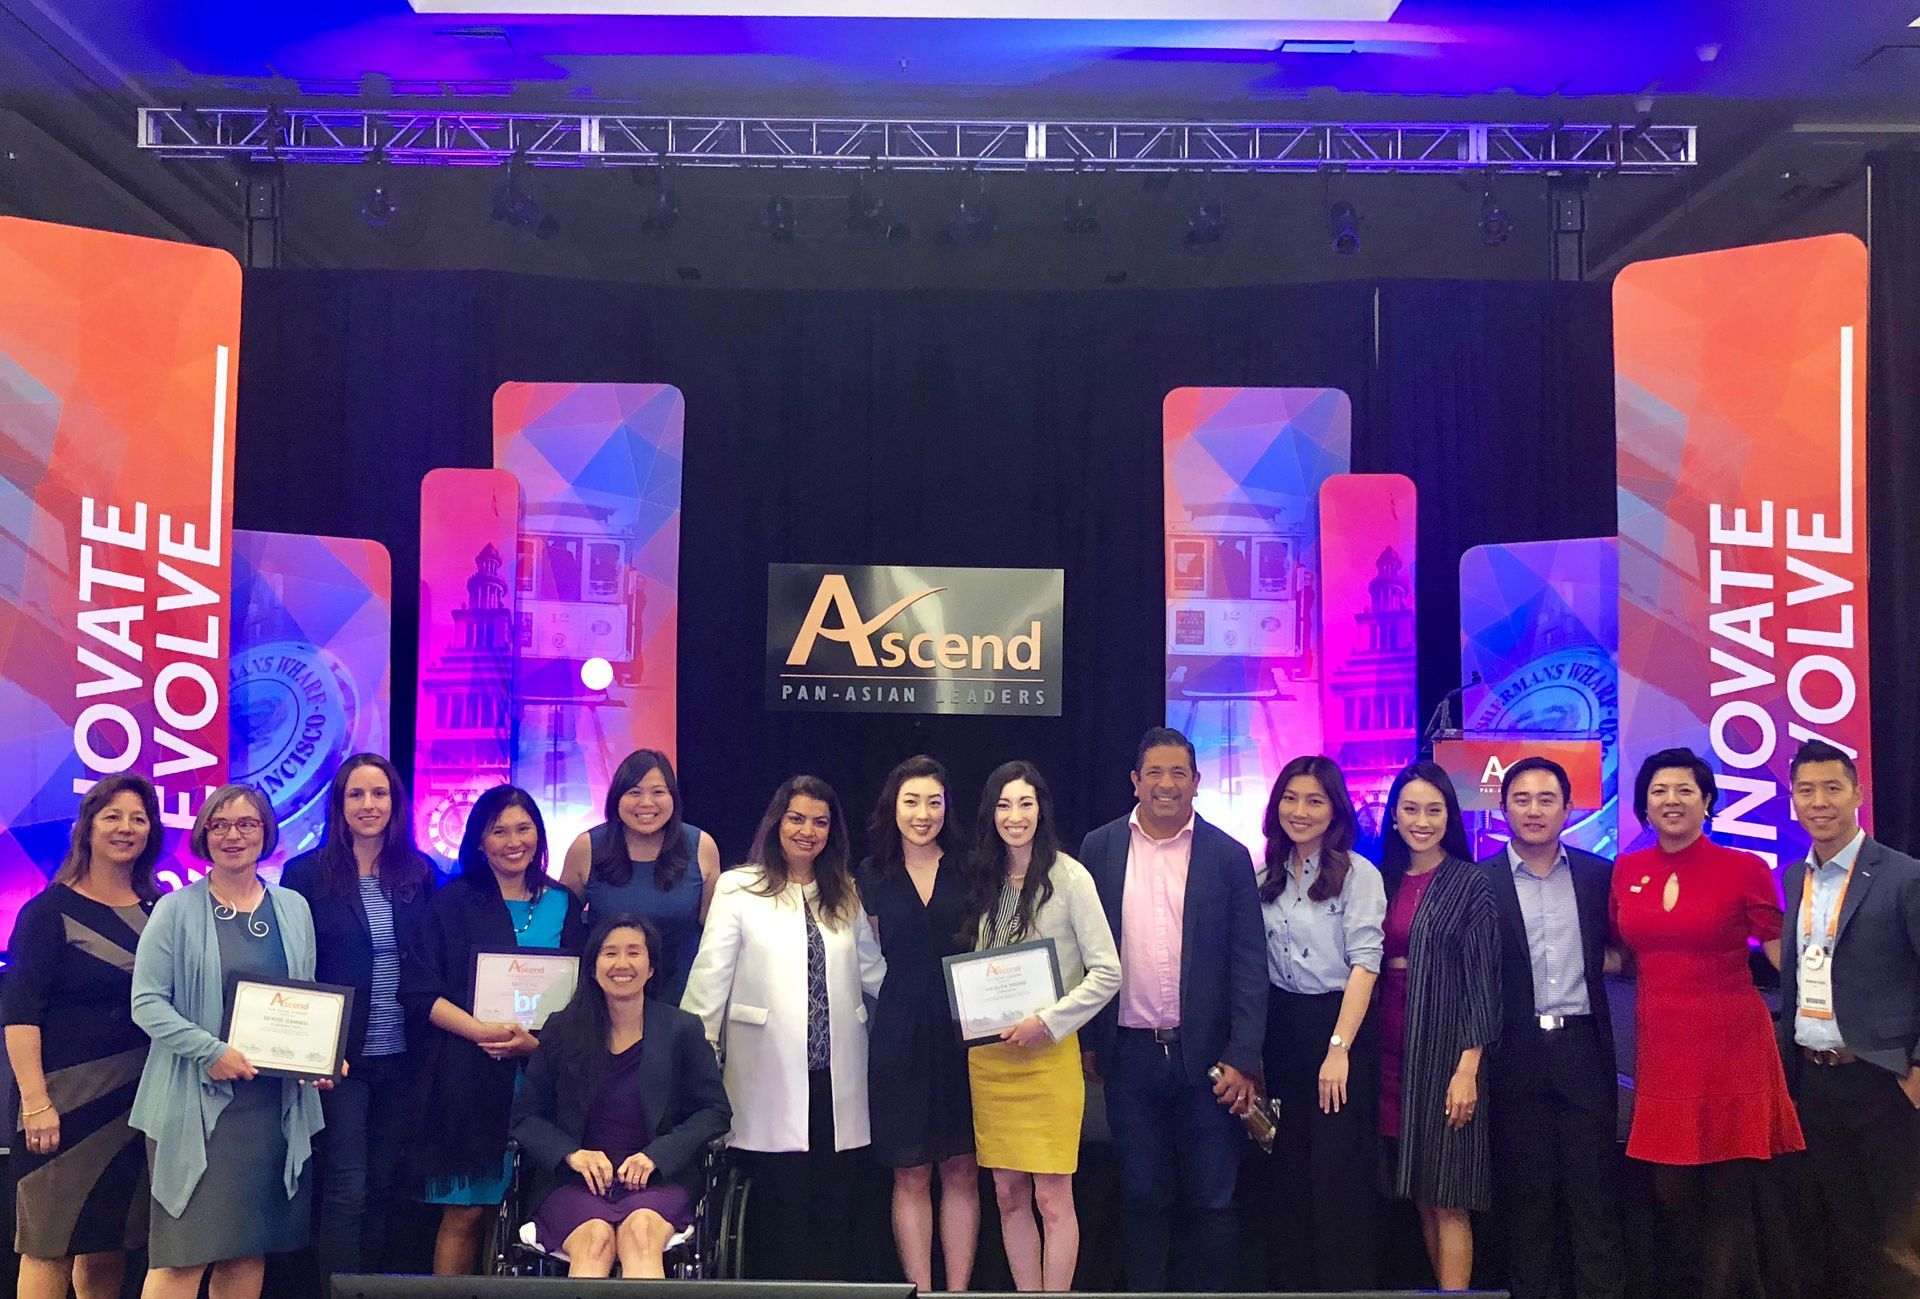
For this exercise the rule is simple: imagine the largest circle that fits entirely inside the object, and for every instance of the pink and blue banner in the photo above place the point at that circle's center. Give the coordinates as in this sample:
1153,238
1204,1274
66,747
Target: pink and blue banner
1741,397
311,669
117,385
1244,468
463,724
597,584
1540,628
1370,693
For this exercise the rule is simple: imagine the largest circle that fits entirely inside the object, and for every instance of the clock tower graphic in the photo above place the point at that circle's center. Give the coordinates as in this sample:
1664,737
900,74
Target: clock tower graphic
469,690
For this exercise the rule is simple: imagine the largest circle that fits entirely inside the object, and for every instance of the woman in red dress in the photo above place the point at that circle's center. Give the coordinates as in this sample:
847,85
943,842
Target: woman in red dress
1711,1105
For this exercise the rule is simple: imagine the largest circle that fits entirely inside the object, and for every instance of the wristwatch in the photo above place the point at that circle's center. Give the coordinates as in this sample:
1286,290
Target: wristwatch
1337,1041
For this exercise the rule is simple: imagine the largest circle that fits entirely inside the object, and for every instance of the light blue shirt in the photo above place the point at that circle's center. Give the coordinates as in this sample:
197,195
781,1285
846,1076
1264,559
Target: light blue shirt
1311,946
1551,911
1825,884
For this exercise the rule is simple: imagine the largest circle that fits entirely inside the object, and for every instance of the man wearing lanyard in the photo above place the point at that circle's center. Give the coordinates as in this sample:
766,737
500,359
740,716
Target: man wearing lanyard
1850,1035
1555,1159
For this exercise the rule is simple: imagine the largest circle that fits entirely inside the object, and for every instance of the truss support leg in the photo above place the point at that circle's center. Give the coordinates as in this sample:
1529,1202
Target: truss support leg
266,185
1567,254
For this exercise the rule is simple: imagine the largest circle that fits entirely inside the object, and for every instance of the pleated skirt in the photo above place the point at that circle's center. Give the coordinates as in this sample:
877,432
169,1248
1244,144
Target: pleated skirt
1028,1103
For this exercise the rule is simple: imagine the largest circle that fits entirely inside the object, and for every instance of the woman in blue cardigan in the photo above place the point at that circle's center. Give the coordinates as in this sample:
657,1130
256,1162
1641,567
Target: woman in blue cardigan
229,1150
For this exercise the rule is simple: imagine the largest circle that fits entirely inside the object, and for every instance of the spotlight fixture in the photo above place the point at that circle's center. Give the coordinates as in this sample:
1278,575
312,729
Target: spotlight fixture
379,209
517,208
870,210
1081,219
1207,224
974,216
663,210
781,220
1495,225
1343,228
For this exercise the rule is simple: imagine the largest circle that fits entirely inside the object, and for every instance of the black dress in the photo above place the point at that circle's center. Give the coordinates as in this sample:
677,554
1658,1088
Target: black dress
72,976
919,1103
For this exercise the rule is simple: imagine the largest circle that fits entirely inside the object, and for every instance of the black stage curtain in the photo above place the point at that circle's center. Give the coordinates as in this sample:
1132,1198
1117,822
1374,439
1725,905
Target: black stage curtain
1893,488
925,428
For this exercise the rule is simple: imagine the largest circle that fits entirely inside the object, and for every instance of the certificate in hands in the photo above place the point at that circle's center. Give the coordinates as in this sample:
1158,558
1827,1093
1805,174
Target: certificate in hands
522,986
288,1028
991,991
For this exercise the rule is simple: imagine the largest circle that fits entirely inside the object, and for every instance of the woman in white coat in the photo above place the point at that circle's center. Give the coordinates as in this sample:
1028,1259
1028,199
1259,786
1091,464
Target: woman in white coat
783,961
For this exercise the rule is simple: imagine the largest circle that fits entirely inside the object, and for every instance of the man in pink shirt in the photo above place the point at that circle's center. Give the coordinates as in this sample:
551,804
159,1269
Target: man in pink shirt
1179,894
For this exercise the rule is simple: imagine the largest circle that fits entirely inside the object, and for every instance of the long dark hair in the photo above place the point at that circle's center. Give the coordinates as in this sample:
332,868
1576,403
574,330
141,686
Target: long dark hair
1395,856
79,859
403,871
884,842
987,872
1336,846
580,1032
830,868
613,865
487,809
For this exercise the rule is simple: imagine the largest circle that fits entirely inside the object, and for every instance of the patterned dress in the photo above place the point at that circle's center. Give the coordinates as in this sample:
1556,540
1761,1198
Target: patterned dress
71,975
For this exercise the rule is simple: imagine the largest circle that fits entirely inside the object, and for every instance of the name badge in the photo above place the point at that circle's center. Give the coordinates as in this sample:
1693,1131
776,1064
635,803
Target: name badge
1816,984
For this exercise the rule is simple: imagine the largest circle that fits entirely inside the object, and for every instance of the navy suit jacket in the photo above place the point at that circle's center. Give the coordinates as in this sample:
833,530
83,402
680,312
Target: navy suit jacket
1223,949
1876,960
343,940
1518,1061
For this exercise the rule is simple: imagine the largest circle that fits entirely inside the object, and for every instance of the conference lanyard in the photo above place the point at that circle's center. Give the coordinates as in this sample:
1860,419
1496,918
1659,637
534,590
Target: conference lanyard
1833,920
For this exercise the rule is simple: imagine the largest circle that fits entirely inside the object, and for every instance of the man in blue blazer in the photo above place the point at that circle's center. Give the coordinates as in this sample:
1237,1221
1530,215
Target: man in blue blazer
1553,1082
1850,1036
1179,894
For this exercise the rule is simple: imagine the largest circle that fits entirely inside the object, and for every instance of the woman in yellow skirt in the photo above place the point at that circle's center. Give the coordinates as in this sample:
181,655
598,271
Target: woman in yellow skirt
1028,1092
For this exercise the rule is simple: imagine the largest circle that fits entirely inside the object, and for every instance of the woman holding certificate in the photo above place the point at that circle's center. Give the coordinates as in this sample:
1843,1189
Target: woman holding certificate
914,888
80,1169
501,901
1029,1095
1439,1010
619,1101
368,888
230,1151
786,955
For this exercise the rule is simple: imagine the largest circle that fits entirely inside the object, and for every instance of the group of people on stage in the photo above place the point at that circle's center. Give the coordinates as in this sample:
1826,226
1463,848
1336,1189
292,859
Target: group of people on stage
1432,1027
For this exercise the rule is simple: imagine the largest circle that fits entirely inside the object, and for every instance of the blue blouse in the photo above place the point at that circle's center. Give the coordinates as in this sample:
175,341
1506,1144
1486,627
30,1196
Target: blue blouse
675,912
1311,945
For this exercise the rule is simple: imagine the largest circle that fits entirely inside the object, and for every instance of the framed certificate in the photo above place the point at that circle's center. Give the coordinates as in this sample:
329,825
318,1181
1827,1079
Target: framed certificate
288,1028
991,991
522,986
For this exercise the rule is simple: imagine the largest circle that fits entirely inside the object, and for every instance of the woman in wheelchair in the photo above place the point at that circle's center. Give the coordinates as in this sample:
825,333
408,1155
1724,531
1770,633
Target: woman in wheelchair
620,1099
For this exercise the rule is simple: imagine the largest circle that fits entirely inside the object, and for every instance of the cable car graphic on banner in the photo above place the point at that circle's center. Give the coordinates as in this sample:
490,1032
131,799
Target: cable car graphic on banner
1239,599
580,599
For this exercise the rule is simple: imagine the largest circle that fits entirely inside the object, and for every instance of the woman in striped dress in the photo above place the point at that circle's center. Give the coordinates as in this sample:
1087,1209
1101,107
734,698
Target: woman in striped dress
1440,1010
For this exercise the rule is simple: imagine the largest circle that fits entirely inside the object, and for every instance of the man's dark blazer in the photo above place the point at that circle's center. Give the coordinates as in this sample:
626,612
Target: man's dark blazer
686,1106
1223,949
343,941
1876,960
1519,1062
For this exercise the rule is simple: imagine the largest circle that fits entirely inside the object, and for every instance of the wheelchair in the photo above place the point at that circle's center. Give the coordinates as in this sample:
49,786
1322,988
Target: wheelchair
711,1249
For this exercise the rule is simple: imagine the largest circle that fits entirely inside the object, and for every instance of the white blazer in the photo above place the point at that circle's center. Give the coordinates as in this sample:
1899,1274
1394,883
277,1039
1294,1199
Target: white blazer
749,988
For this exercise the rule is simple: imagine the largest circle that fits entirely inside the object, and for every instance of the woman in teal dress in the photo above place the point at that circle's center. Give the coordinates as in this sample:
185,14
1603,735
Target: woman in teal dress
500,900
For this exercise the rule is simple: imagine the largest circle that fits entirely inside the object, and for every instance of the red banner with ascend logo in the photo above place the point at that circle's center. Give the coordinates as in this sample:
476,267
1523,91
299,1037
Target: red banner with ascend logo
117,383
1743,534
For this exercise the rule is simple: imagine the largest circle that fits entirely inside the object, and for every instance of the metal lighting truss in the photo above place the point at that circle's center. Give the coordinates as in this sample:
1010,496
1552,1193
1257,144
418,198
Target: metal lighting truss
448,136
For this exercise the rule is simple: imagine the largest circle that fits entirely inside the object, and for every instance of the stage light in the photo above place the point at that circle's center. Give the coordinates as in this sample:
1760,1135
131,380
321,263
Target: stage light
1208,224
1495,225
870,210
1081,219
379,209
663,211
1343,228
517,208
596,674
974,216
782,223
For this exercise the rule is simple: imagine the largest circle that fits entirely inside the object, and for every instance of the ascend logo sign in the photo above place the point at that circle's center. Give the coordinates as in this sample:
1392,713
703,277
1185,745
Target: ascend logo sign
855,638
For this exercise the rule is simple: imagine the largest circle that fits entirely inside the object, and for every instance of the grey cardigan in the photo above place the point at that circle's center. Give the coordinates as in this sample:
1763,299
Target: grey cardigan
179,999
1082,941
